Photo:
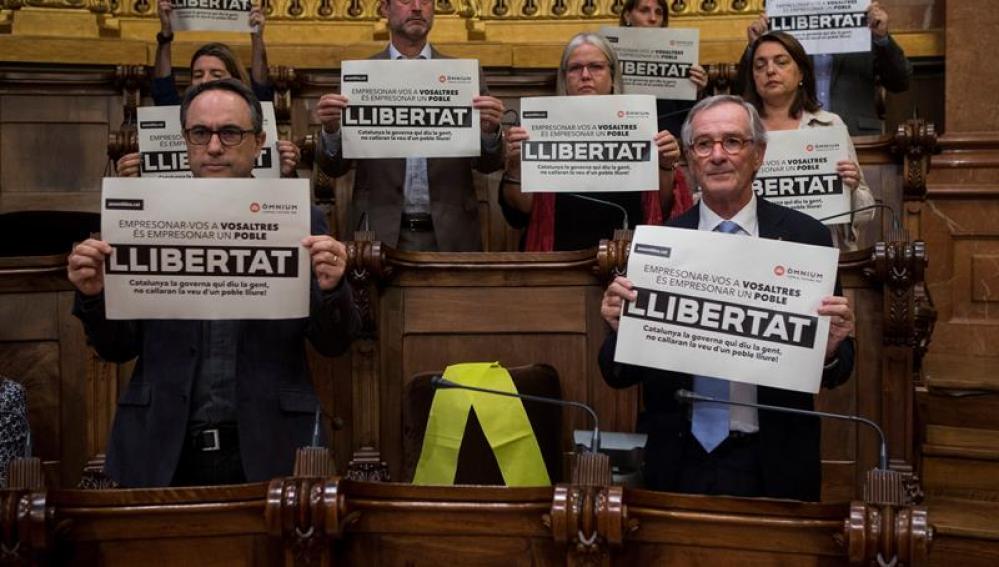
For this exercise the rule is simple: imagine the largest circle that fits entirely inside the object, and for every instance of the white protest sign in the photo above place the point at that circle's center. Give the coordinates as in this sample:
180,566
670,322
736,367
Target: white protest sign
589,143
727,306
656,61
799,171
164,151
410,108
211,15
206,248
823,26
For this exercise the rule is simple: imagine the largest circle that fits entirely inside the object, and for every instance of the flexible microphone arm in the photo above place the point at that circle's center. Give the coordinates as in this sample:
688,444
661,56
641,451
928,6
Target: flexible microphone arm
684,396
624,212
442,382
894,217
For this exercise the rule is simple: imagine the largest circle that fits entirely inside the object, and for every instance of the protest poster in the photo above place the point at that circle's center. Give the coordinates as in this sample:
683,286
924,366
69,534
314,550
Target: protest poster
164,151
211,15
206,248
589,143
823,26
410,108
726,306
656,61
799,171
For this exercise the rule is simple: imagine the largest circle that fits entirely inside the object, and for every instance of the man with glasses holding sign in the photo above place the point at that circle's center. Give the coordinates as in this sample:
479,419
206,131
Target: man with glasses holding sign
721,449
217,401
416,203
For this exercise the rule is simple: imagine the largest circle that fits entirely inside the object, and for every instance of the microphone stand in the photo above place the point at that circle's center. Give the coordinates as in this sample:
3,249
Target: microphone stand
442,382
688,396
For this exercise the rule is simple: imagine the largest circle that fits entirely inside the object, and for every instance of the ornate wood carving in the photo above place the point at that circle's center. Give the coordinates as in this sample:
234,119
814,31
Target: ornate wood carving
612,256
314,462
129,79
285,81
306,513
909,314
916,140
25,534
887,535
721,77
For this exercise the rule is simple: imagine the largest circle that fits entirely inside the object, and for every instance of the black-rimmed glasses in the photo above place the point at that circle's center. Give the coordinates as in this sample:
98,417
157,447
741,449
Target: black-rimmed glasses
228,135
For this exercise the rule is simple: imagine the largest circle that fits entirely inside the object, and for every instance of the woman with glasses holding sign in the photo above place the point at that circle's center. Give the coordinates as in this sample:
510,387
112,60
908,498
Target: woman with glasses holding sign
783,91
566,221
211,62
655,14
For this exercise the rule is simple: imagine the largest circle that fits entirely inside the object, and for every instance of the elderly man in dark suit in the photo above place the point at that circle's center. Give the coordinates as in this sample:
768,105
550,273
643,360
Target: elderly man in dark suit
415,203
721,449
219,401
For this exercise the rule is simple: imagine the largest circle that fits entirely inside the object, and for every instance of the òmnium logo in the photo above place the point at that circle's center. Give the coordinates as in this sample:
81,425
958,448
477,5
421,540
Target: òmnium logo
800,274
778,270
274,208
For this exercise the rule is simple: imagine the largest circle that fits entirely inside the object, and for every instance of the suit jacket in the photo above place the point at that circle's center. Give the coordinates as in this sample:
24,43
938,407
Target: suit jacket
379,186
275,403
854,76
789,444
853,82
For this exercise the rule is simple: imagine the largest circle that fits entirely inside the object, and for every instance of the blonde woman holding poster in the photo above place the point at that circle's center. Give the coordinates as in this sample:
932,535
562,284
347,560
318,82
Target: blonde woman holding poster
567,221
783,91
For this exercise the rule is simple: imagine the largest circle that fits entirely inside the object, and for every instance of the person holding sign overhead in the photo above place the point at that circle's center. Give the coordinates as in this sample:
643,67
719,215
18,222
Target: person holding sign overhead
655,14
211,62
564,221
416,203
783,91
720,449
216,401
846,81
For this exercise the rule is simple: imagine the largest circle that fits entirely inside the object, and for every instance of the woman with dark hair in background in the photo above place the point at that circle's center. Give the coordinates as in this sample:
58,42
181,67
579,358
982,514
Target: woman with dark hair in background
655,14
565,221
783,91
211,62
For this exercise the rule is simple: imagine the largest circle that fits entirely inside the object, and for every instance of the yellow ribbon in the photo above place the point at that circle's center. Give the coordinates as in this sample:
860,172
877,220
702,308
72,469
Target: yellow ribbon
504,423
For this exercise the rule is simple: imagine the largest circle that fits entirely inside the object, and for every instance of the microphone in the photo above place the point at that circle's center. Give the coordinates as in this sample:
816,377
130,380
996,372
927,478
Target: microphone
686,396
315,426
624,212
442,382
894,218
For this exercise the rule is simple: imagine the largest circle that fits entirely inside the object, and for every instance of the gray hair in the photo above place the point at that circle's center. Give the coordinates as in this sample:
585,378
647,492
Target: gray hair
755,123
601,43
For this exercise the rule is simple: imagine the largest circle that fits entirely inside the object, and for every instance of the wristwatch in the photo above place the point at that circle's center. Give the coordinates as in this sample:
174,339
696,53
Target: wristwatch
163,39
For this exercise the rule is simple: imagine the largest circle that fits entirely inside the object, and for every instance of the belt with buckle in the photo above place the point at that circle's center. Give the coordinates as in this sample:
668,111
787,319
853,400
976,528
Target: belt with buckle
419,222
214,439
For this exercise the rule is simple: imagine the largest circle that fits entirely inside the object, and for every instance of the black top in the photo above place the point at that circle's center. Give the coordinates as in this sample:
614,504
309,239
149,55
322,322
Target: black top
672,113
580,223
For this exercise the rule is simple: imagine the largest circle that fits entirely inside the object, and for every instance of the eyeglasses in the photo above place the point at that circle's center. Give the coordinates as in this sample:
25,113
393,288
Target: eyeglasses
592,68
228,135
417,2
732,145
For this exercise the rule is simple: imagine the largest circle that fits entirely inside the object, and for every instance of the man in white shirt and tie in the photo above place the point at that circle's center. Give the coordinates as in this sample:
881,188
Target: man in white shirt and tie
417,203
715,448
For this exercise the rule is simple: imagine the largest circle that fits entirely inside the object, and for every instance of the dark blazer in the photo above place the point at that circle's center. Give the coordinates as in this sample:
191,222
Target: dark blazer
275,403
379,186
854,76
789,444
851,94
